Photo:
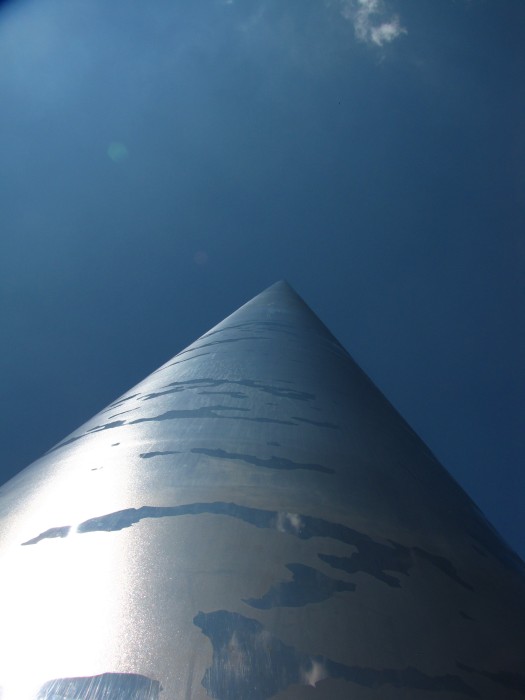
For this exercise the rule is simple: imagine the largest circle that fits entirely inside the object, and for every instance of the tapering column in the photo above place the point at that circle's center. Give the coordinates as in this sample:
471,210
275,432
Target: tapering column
254,520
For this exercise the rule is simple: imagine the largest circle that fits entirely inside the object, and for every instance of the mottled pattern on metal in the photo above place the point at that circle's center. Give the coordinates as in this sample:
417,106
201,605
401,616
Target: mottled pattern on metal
253,520
125,686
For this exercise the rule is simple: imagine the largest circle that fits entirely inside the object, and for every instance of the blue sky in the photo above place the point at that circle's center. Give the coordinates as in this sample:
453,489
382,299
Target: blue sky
163,162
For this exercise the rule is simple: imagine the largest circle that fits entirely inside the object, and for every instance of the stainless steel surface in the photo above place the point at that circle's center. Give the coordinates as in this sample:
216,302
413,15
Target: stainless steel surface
253,520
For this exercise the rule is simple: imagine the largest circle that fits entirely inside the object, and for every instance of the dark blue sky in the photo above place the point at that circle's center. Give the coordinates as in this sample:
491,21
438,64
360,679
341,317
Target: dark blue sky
163,162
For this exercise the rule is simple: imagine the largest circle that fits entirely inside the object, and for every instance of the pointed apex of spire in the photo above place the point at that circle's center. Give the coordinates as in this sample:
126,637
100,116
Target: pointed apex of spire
281,284
279,297
280,293
278,304
280,287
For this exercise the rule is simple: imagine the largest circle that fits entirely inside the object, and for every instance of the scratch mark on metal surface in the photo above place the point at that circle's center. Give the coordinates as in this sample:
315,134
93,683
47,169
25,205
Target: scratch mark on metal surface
268,463
318,424
121,413
371,557
125,686
232,394
159,453
194,348
178,362
307,586
511,680
96,429
119,402
174,414
375,559
209,412
444,565
210,383
250,662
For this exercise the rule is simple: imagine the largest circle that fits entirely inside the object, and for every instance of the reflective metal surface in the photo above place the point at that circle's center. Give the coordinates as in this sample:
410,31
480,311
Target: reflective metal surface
253,520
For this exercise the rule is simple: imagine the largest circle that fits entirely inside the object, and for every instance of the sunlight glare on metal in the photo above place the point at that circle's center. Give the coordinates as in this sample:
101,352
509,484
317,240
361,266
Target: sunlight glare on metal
56,634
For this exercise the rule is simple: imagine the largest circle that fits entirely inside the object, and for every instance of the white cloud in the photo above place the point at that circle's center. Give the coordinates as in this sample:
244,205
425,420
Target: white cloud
387,32
372,24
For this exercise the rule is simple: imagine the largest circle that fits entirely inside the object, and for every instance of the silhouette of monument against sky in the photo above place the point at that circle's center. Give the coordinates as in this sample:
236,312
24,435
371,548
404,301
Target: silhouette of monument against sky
253,520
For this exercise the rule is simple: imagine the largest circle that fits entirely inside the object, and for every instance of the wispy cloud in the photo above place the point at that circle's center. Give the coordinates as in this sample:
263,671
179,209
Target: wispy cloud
372,22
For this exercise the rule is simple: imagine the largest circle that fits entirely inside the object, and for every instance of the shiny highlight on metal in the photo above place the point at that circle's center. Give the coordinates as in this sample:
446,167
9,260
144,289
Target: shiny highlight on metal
254,520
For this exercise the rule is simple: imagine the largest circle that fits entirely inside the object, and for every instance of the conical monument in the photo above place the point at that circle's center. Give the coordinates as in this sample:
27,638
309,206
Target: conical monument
253,520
